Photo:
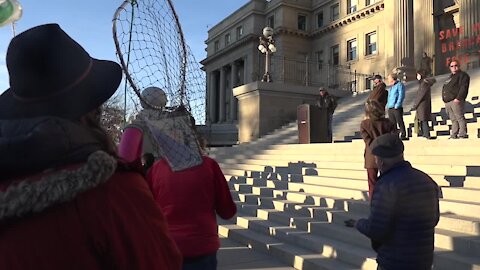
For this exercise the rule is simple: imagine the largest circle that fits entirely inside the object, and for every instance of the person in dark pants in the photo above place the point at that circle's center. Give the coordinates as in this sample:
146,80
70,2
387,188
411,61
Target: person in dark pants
373,126
423,102
328,102
396,95
379,92
404,210
454,93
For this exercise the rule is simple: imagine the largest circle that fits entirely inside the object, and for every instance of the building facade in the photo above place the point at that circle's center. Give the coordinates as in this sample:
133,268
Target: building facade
335,44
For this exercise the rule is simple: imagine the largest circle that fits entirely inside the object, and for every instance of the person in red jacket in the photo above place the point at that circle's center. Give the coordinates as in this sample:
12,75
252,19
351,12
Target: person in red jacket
66,201
190,200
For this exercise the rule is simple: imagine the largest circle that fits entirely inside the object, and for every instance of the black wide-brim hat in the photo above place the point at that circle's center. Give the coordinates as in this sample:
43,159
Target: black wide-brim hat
52,75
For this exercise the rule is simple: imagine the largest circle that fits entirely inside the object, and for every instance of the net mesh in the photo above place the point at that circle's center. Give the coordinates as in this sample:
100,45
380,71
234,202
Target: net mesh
152,51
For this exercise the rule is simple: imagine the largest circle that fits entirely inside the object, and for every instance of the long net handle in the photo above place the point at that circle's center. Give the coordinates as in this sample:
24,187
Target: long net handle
184,52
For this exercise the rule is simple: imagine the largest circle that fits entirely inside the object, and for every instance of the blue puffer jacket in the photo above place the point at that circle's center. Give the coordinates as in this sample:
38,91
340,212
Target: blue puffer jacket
404,213
396,95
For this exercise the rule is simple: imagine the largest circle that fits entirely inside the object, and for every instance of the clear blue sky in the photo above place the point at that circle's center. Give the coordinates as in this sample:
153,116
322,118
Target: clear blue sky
89,22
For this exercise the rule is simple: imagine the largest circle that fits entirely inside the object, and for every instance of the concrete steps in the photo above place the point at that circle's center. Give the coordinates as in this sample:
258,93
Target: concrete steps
293,255
350,112
295,210
292,199
320,229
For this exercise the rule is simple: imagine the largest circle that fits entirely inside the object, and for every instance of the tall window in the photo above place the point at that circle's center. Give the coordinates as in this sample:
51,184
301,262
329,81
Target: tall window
217,45
334,12
319,58
352,49
370,2
320,19
271,21
302,22
228,39
335,55
351,6
239,32
371,43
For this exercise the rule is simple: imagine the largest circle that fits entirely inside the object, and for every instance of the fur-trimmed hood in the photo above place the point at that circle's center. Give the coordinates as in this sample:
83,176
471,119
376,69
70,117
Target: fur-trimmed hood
33,196
29,146
35,163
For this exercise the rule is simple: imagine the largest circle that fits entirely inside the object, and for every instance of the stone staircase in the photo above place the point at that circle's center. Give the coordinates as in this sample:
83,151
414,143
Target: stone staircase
292,199
350,112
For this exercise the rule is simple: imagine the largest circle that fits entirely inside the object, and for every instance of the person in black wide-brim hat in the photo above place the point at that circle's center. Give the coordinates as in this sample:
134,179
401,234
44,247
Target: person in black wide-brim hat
65,198
52,75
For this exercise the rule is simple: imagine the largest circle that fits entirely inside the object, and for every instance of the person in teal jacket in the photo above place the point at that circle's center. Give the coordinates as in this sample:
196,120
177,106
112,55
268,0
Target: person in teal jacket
396,95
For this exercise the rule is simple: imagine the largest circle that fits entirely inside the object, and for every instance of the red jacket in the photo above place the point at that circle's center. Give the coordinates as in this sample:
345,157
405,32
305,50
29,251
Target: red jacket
189,199
113,225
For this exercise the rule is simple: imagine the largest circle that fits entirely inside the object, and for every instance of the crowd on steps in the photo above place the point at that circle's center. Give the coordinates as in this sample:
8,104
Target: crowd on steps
70,198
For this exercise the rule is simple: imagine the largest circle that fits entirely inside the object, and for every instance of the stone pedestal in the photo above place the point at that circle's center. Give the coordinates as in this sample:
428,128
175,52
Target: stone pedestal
264,107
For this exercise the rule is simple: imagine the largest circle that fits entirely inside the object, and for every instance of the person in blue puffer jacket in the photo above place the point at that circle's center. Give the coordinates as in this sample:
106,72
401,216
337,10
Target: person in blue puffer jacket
396,95
404,210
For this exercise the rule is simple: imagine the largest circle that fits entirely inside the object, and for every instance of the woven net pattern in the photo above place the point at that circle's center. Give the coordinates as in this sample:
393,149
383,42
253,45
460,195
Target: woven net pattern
152,51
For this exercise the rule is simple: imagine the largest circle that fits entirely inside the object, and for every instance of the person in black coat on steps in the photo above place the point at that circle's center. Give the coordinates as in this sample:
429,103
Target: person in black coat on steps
423,103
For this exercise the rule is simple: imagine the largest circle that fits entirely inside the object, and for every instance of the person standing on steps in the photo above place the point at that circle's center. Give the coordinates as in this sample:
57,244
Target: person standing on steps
396,95
426,64
454,93
379,92
328,102
404,210
373,126
423,103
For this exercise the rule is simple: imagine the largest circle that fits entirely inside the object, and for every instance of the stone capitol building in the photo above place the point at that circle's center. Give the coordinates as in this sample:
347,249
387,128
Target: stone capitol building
337,44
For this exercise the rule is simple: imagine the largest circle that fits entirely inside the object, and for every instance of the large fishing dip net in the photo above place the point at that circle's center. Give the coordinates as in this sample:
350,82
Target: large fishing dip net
164,84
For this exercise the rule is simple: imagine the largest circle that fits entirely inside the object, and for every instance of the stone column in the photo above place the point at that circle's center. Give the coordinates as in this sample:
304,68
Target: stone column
221,103
403,37
233,100
429,41
246,71
424,24
469,16
470,21
212,101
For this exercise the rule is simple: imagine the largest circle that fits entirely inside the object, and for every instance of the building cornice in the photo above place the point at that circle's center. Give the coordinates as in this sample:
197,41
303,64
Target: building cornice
247,39
351,18
290,31
231,26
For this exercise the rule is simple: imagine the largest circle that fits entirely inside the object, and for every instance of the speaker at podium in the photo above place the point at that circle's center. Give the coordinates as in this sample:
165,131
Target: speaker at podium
312,124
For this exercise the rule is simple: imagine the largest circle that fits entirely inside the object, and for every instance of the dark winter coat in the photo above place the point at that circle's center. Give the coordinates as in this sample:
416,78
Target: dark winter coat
69,205
327,102
370,130
403,215
456,87
379,94
423,101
